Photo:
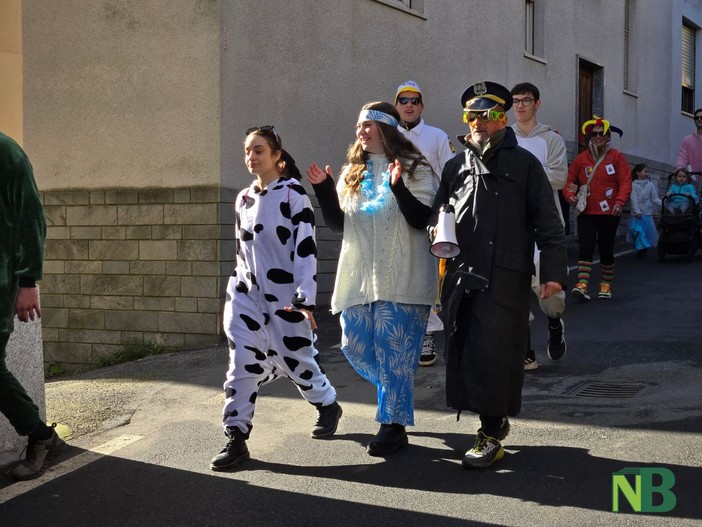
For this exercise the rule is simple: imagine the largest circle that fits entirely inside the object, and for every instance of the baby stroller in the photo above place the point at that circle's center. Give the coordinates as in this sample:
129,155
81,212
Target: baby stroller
679,227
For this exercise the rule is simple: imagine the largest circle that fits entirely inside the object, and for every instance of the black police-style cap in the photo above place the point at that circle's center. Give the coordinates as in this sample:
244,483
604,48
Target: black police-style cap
486,95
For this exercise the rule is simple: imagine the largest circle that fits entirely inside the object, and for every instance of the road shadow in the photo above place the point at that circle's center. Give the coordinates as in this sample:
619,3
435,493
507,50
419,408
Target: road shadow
120,492
554,476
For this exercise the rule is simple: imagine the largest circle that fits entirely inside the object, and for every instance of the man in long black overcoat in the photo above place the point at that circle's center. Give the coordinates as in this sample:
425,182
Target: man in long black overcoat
503,203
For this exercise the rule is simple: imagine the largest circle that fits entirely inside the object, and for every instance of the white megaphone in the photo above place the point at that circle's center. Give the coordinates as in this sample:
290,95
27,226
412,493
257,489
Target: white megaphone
445,244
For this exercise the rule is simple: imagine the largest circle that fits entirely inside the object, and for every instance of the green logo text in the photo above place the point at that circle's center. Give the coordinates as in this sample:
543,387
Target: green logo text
640,495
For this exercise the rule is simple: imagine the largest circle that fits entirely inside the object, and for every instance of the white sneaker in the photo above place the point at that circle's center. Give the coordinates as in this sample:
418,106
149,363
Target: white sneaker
530,364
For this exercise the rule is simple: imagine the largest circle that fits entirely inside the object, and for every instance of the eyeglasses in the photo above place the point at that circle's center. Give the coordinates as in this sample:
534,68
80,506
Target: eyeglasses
268,128
484,116
598,134
526,101
698,117
414,100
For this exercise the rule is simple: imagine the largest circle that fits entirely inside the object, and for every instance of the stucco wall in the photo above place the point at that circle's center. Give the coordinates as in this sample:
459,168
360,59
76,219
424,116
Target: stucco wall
122,93
126,94
122,125
11,69
317,62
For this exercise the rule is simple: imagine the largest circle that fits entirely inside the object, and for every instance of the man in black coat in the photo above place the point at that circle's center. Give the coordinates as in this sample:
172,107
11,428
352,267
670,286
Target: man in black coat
503,203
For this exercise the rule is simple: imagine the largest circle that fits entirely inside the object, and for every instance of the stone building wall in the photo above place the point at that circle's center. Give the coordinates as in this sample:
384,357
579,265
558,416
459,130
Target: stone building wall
149,265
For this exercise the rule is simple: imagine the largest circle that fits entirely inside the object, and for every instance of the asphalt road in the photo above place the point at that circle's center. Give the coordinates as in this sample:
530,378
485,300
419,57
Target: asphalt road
143,434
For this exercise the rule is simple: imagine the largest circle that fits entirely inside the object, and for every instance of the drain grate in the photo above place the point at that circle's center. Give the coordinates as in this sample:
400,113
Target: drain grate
614,390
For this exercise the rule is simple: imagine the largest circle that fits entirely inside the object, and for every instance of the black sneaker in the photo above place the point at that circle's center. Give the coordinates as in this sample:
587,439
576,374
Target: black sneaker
327,420
504,429
389,439
428,356
556,340
233,453
486,451
38,456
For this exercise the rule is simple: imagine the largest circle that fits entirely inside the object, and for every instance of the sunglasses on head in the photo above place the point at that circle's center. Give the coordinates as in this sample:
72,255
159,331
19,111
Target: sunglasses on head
484,116
263,129
416,101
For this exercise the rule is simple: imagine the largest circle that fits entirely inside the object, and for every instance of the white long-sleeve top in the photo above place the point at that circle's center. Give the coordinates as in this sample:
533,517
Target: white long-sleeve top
643,197
432,142
382,257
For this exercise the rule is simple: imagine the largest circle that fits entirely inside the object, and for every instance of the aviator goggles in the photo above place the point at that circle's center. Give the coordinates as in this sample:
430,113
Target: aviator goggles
484,116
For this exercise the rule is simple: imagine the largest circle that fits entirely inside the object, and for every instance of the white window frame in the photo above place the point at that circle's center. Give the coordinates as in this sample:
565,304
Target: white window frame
412,7
688,57
534,17
630,46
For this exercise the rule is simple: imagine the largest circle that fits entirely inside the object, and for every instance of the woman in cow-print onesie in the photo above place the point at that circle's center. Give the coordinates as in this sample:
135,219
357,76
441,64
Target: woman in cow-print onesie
271,295
381,204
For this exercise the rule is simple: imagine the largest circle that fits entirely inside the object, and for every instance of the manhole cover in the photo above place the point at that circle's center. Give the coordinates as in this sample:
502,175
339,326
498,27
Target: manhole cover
616,390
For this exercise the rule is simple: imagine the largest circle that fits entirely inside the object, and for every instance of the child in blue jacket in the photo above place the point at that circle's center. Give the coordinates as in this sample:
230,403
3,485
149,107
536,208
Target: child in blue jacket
678,192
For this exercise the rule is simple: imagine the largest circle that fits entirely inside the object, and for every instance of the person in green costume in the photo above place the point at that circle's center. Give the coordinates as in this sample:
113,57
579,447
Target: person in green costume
22,233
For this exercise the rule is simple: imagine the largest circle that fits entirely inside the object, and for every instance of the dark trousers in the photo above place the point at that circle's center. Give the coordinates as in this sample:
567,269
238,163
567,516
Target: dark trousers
565,211
15,404
597,230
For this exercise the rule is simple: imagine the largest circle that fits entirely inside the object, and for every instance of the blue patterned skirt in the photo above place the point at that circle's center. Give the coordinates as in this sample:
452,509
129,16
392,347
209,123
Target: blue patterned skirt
383,341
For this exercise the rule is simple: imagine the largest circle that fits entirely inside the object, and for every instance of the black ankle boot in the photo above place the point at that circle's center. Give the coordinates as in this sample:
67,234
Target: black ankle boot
327,420
389,439
233,453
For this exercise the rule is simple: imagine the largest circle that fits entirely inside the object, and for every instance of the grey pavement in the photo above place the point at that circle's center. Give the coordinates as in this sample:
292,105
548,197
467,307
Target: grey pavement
144,432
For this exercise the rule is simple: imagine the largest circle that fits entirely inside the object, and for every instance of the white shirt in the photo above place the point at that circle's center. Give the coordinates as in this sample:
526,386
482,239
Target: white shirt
432,142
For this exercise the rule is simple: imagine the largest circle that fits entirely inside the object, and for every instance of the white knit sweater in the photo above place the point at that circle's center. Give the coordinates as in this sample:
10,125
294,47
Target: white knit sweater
382,257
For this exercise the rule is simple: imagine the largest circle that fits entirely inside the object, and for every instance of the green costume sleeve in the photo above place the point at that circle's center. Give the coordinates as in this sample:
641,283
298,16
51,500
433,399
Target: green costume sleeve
22,228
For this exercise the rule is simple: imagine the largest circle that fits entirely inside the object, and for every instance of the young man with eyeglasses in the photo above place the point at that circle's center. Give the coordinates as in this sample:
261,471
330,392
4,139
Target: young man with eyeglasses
690,155
550,149
503,203
436,147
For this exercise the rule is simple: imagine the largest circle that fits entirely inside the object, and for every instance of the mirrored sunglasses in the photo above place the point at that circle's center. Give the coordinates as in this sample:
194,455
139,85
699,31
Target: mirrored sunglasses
416,101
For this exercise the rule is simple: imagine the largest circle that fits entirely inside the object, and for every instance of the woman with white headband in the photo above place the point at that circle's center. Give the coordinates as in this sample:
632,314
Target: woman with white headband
381,203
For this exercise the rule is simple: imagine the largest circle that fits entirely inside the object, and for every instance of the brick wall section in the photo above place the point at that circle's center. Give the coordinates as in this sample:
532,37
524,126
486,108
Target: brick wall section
149,265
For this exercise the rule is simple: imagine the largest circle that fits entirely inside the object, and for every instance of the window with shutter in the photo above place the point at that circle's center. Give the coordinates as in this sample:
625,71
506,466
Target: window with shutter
628,9
688,68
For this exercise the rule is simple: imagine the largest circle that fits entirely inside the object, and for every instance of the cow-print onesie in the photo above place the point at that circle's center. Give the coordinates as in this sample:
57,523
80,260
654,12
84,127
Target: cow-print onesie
276,267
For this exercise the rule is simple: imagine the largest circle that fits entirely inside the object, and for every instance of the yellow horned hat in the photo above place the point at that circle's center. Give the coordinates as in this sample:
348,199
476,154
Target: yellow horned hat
598,121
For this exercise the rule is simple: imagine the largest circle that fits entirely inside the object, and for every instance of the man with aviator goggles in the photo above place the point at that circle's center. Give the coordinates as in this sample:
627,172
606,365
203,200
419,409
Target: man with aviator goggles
503,202
486,115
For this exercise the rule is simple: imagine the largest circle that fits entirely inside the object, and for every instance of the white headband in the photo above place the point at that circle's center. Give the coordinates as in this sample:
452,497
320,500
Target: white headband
377,115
